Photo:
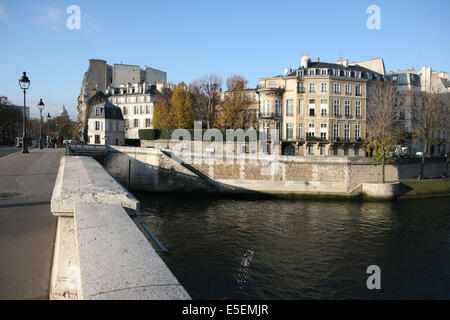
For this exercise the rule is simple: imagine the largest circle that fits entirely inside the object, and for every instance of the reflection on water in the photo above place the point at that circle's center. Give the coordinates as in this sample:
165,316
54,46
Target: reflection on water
276,249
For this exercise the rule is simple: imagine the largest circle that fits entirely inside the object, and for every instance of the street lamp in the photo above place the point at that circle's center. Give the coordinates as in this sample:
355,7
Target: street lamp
57,137
48,131
40,107
24,84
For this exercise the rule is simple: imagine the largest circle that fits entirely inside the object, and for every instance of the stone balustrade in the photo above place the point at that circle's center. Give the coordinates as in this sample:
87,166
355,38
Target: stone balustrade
99,251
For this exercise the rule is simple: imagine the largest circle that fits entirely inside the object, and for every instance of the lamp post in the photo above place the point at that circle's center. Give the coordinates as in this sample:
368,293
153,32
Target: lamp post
48,131
24,84
40,107
57,137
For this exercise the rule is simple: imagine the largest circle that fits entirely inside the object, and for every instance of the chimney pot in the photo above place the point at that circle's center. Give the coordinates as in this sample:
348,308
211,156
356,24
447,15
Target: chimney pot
317,59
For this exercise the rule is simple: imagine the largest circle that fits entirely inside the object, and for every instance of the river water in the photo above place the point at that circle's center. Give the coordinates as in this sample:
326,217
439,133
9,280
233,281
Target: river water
284,249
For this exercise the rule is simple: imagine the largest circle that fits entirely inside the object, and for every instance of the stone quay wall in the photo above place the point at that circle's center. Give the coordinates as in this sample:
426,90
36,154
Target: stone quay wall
151,169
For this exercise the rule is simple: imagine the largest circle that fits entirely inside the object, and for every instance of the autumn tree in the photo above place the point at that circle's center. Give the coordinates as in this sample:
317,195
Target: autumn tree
426,119
183,107
163,114
235,112
382,120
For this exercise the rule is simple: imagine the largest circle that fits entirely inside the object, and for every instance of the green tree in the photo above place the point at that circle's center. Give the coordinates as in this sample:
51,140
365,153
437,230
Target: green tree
183,107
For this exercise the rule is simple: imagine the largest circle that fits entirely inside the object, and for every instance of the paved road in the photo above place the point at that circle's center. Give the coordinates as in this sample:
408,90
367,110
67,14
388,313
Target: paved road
27,228
4,151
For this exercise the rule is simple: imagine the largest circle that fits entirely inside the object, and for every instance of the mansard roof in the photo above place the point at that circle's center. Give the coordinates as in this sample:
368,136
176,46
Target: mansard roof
106,110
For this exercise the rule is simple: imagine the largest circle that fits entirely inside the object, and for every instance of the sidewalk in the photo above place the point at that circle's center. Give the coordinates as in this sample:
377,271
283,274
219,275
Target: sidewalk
27,227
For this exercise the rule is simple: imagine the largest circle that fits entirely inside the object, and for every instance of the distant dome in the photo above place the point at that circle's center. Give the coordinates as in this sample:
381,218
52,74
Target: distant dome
63,112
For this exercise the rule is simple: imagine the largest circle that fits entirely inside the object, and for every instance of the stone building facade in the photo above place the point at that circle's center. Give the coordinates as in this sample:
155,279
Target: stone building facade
318,109
106,125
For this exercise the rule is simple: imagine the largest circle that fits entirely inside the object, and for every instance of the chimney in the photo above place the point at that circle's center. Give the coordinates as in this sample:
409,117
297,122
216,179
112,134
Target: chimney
345,63
305,60
317,59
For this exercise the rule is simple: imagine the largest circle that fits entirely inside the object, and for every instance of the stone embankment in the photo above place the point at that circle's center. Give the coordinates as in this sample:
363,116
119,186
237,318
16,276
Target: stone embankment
150,169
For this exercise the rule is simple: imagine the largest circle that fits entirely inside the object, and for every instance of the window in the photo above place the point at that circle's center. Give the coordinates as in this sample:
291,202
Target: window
323,87
300,109
357,131
335,150
358,109
136,110
98,111
290,107
148,122
289,131
345,150
141,109
272,84
358,90
323,107
147,109
312,87
335,131
300,130
346,131
300,87
323,131
125,110
348,89
324,72
312,72
97,139
310,149
277,107
97,125
356,151
322,150
347,108
277,129
266,128
336,108
337,88
136,123
311,130
266,107
312,107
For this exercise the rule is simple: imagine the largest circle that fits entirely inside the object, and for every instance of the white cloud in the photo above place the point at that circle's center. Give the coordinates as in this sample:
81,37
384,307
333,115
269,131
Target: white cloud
3,14
48,16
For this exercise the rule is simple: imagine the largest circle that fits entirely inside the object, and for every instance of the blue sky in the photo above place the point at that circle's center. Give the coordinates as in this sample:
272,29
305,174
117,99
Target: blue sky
189,39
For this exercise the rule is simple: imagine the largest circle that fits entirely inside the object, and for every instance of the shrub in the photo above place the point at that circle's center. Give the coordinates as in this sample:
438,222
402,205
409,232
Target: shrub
149,134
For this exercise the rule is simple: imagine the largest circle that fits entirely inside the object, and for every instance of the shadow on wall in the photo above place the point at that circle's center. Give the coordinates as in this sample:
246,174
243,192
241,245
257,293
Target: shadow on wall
165,175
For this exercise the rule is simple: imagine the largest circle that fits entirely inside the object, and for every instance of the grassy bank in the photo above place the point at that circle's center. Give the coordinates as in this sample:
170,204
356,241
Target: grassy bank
425,188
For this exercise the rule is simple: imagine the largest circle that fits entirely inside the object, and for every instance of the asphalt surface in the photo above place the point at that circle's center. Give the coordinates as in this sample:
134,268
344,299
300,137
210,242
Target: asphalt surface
27,227
4,151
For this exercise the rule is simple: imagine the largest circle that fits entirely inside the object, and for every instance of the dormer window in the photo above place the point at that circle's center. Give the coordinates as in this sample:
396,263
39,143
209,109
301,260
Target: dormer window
98,111
312,72
324,72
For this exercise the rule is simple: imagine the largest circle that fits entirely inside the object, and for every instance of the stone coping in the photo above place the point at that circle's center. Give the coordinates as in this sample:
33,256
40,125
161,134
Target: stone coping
116,261
84,180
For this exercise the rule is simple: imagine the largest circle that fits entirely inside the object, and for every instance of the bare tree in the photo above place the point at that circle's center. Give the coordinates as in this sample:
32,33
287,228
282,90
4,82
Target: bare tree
236,82
382,119
425,112
206,93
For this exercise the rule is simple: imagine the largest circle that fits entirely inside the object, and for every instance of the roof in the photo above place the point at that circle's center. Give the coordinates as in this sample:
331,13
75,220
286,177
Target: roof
338,66
107,111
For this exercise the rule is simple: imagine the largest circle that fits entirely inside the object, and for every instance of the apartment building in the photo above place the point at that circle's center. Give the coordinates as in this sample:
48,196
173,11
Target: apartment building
101,77
318,109
136,101
106,125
